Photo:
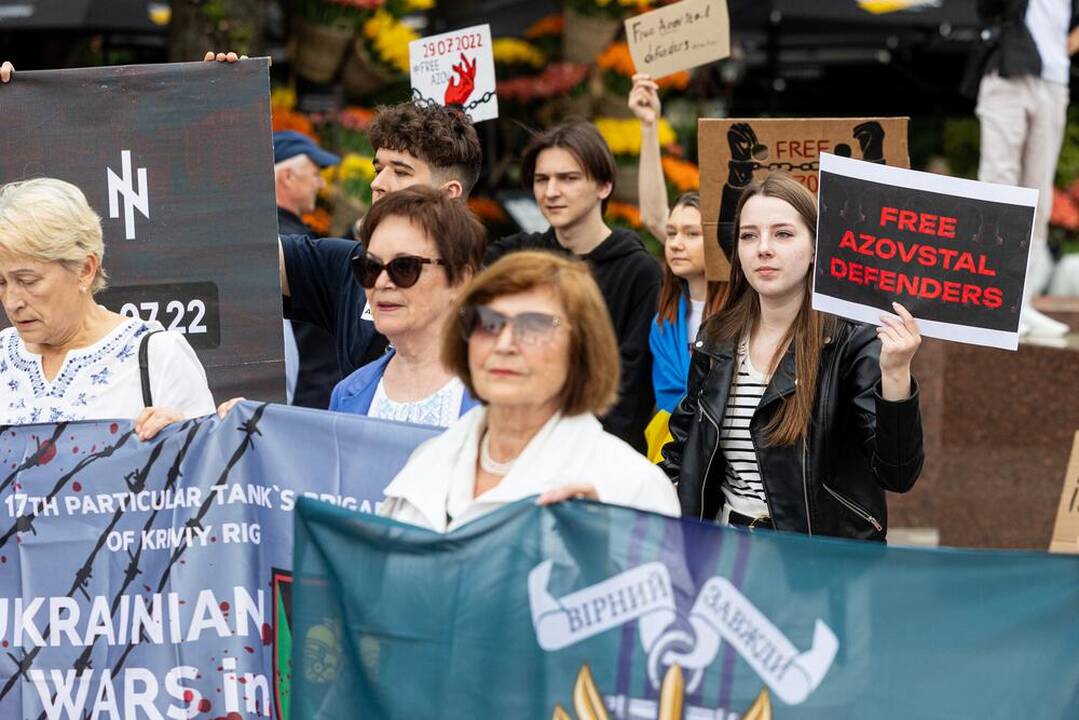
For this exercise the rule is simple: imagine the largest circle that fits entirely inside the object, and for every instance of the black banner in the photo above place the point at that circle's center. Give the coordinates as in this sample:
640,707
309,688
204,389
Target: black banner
177,159
953,252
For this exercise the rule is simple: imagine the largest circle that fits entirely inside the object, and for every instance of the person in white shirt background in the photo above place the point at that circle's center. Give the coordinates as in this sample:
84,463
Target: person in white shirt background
1025,68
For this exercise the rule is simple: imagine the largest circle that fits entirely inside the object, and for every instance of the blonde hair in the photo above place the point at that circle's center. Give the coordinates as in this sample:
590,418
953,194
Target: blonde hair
51,221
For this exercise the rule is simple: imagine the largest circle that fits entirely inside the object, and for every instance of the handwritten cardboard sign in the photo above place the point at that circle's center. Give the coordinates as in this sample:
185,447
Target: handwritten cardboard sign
952,251
1066,531
735,153
456,68
679,36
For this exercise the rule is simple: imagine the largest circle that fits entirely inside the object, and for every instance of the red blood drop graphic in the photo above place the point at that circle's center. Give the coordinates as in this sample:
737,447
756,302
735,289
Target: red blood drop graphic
147,588
189,695
76,486
242,680
205,705
249,649
75,449
234,716
48,452
267,634
113,428
224,606
3,559
4,643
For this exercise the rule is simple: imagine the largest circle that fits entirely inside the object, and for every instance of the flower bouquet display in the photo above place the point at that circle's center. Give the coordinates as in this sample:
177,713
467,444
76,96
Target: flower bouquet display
546,34
616,70
379,55
628,216
682,175
623,137
322,32
591,25
348,185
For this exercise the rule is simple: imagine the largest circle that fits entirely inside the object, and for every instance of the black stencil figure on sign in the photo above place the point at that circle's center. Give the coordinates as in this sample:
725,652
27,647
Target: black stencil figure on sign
748,156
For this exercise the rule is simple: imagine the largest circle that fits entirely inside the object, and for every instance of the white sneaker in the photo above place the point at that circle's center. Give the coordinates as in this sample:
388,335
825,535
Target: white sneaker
1036,324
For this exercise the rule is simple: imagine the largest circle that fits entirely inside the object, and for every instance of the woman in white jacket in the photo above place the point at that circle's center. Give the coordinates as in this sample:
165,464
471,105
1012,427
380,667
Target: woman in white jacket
534,343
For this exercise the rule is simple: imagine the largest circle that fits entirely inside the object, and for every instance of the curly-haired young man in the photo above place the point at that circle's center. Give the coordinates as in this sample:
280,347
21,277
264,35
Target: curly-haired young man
415,144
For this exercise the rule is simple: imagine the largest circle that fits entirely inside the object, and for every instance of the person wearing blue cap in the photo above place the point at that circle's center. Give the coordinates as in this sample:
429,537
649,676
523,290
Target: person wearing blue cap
311,368
297,180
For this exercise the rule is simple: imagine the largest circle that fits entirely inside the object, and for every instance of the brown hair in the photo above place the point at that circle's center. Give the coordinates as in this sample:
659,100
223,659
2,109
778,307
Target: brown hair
444,138
579,138
459,236
594,365
674,288
809,329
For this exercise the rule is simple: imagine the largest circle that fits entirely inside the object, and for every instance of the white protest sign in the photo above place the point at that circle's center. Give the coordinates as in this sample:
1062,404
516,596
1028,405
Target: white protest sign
679,36
456,68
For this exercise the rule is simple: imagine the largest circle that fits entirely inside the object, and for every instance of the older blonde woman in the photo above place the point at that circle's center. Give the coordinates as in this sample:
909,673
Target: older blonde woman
65,357
533,341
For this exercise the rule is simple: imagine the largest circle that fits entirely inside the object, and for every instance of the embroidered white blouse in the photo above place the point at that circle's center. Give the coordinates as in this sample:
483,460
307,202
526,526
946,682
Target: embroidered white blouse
102,381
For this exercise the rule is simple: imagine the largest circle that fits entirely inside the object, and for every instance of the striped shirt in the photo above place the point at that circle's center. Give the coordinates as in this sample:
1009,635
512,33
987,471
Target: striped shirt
743,488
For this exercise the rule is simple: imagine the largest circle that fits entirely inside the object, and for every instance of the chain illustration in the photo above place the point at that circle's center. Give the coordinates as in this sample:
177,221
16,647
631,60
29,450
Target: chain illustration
417,96
789,167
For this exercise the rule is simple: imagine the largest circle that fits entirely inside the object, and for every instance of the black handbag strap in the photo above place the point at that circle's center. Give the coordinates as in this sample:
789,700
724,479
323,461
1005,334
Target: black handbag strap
144,367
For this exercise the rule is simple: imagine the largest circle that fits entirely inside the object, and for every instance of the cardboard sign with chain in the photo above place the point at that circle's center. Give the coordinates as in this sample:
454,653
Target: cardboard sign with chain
737,152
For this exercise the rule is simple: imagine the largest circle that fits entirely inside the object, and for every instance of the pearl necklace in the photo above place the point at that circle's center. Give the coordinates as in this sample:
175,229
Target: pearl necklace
488,463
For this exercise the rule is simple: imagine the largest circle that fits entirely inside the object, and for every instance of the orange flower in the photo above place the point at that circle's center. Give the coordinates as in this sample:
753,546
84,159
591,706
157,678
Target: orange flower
319,221
625,212
683,174
678,81
547,26
291,120
1065,211
356,118
487,209
617,59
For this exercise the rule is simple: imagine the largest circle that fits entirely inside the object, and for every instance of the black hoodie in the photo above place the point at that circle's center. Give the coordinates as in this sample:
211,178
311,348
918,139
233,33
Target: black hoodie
629,278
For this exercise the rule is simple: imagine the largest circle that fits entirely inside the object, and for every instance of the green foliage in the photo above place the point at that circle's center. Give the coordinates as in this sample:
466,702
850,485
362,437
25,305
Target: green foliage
1068,164
962,146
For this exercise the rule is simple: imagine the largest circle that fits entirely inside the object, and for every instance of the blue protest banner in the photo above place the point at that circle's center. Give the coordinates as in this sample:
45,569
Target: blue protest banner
588,611
151,580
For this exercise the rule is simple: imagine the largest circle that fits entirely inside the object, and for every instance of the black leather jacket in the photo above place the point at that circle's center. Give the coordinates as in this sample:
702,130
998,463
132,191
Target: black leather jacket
859,444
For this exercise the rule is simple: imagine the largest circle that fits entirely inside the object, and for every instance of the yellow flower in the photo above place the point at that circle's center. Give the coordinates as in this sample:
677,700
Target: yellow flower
623,136
283,98
420,4
356,166
390,38
512,50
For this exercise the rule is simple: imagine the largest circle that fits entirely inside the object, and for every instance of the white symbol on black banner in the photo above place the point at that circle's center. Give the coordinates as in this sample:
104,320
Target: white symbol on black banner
134,197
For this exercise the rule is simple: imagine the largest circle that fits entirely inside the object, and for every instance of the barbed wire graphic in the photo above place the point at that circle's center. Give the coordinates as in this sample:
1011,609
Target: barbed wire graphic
135,482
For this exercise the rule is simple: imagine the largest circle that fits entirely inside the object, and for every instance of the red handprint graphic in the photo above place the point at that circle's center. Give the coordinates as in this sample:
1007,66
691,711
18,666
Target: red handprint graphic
461,87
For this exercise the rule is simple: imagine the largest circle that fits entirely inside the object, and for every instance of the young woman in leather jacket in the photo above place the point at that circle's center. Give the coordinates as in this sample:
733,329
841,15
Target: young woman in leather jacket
793,419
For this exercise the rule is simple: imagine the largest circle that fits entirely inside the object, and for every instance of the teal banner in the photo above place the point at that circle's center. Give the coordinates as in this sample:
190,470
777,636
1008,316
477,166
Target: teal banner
588,611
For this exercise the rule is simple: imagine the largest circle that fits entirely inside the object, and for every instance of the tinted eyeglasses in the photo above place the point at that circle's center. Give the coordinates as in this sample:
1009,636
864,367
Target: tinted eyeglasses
404,270
530,328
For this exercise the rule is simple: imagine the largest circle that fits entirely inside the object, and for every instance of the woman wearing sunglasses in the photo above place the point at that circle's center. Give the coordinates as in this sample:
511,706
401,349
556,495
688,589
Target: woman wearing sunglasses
793,419
532,339
419,249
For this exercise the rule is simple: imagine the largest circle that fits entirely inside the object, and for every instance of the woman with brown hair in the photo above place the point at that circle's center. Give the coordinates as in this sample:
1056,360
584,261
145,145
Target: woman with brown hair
794,420
686,299
532,339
